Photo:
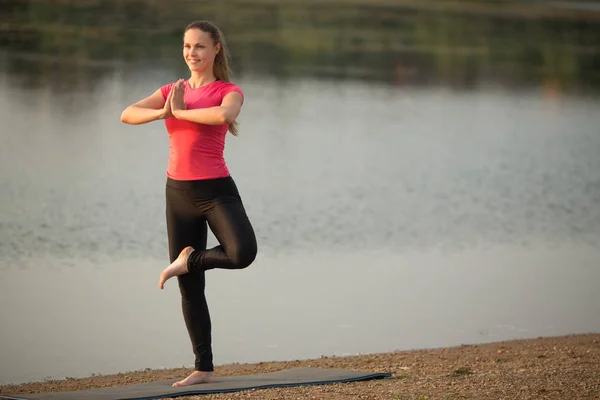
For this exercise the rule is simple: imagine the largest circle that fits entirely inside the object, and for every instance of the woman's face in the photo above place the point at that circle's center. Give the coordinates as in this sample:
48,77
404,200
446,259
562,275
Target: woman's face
199,51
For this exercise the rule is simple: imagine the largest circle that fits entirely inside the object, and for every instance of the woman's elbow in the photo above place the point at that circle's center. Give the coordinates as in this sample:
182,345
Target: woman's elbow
226,117
124,116
223,118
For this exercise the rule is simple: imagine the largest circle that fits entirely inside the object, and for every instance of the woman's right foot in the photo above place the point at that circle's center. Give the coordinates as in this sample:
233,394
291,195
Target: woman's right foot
196,377
177,267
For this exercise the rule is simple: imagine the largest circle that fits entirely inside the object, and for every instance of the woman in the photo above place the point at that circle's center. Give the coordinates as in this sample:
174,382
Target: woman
198,113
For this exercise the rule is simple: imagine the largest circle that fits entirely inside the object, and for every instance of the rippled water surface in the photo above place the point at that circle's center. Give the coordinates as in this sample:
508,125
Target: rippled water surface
388,218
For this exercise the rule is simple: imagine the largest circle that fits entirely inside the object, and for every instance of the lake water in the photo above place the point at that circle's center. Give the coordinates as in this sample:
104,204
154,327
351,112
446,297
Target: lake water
389,217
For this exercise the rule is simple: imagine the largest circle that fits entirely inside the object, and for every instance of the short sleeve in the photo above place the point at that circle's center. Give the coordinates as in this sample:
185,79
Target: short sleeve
230,88
165,90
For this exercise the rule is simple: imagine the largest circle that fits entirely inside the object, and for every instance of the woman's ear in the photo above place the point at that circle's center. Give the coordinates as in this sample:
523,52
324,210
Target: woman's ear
218,46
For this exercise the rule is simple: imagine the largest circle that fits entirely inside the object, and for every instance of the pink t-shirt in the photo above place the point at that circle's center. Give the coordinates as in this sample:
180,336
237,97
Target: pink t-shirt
196,150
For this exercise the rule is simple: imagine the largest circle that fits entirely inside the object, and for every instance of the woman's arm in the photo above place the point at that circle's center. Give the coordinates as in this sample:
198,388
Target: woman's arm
152,108
226,113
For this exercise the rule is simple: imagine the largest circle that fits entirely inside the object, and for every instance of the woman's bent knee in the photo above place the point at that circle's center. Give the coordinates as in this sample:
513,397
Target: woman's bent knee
244,255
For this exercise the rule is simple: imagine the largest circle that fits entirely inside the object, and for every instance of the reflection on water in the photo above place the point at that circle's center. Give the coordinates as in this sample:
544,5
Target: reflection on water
414,168
444,197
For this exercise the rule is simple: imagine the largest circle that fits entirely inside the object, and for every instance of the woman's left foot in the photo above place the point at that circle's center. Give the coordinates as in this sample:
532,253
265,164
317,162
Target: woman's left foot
195,378
177,267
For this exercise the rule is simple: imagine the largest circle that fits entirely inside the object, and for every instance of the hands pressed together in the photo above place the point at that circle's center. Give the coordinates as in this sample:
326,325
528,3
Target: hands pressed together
174,101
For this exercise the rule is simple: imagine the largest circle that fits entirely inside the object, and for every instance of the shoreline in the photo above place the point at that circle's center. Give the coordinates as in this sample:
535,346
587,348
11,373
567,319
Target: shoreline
545,367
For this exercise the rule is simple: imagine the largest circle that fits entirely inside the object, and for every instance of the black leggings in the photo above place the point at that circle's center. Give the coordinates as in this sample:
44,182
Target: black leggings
190,205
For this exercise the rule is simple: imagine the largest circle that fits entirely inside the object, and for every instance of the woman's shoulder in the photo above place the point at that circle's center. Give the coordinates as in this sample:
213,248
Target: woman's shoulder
228,87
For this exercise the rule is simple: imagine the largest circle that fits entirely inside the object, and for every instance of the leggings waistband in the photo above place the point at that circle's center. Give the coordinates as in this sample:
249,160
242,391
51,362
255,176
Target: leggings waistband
200,184
206,188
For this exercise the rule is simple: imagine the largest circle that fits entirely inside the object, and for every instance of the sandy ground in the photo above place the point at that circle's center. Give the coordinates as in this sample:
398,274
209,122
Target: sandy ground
566,367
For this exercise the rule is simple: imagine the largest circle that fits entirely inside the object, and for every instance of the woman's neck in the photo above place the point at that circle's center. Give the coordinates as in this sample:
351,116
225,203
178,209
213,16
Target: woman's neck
200,79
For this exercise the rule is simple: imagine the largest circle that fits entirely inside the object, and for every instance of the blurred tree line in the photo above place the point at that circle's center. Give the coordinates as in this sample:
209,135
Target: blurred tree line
413,41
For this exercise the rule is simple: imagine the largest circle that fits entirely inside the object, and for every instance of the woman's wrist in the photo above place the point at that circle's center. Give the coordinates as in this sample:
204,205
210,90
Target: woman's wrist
177,113
161,114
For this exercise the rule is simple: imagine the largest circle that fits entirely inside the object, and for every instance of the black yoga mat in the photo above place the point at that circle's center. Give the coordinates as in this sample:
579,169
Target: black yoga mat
227,384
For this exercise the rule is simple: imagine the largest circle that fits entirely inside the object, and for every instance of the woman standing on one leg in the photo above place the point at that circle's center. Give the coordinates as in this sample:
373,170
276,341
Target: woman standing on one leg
198,112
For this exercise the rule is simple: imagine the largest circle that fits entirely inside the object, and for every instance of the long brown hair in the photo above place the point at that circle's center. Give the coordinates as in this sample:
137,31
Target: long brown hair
221,68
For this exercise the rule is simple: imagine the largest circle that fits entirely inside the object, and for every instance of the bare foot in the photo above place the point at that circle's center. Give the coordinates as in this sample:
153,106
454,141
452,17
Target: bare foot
195,378
177,267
